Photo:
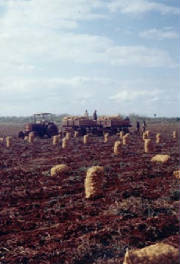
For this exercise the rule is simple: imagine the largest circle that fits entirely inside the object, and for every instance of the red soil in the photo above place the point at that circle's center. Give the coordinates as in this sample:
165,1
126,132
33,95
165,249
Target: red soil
46,219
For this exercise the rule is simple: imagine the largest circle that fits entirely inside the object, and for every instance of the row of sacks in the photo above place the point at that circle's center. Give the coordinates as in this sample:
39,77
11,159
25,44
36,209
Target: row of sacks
65,140
95,176
148,148
57,138
125,138
147,135
9,139
148,145
122,136
148,142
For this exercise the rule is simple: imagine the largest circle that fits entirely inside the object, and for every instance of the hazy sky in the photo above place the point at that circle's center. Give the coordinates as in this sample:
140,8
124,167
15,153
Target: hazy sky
65,56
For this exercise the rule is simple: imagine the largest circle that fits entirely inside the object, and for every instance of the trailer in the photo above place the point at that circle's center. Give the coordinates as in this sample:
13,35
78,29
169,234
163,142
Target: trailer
104,124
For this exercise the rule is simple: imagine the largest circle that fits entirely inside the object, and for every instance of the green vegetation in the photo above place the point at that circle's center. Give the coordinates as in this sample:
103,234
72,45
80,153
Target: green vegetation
153,120
27,119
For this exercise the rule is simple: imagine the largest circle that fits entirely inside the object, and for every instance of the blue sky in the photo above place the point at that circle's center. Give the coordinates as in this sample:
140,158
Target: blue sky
65,56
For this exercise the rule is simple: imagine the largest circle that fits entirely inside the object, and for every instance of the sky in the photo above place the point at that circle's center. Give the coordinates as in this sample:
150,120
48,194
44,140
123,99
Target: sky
66,56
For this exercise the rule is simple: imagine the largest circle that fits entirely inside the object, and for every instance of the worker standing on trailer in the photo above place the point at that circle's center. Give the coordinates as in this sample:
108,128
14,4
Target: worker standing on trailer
86,113
137,127
95,115
144,126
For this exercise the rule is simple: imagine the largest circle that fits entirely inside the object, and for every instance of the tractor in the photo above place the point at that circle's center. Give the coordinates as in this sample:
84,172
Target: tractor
42,125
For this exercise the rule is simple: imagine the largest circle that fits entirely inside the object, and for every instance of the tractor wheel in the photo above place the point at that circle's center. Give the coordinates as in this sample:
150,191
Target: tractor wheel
21,134
51,130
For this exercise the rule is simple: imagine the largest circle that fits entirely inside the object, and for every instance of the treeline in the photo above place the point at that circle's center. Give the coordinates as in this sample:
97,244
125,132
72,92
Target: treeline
134,118
28,119
58,118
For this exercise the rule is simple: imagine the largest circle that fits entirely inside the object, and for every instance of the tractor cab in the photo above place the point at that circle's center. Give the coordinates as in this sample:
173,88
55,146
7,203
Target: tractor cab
42,118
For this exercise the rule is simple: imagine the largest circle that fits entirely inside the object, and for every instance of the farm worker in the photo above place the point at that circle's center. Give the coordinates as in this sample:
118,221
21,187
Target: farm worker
137,126
86,114
144,126
95,115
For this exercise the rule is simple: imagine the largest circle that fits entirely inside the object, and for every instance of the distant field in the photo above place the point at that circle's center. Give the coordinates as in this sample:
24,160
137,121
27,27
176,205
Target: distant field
10,129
